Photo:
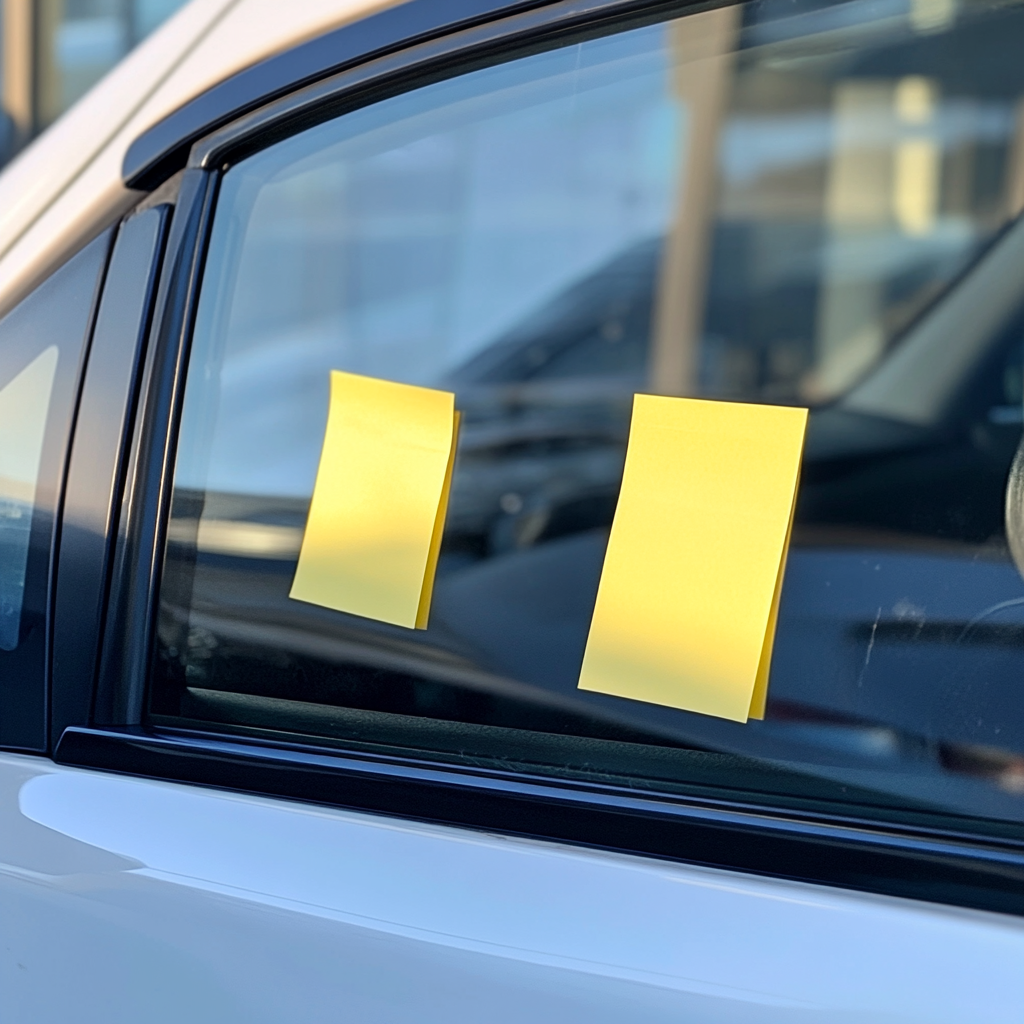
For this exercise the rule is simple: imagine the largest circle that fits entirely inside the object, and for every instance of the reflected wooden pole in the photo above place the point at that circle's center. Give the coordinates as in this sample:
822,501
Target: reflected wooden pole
49,85
18,61
701,48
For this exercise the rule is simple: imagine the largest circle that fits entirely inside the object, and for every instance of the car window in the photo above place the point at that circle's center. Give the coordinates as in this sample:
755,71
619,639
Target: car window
769,203
41,344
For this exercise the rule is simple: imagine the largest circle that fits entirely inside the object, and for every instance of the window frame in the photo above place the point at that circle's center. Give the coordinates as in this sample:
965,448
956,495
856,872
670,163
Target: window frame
96,467
835,849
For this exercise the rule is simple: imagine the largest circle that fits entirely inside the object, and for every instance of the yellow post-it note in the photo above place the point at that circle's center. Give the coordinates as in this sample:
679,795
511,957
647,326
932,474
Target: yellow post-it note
377,514
689,593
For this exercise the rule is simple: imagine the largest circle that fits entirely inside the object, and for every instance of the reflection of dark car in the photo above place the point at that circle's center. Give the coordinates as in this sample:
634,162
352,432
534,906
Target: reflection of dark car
546,408
897,553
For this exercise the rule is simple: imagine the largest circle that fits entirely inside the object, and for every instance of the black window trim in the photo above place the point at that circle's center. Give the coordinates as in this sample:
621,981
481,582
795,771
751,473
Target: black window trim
94,475
136,562
915,862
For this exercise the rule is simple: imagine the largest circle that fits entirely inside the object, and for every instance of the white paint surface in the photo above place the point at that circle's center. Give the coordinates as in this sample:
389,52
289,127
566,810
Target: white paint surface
130,900
69,180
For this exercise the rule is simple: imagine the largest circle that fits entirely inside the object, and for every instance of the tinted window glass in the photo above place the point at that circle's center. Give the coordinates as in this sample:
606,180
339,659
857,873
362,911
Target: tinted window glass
41,345
24,403
751,203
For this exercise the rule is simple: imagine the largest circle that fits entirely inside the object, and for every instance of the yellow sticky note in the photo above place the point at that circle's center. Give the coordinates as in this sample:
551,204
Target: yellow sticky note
375,521
689,593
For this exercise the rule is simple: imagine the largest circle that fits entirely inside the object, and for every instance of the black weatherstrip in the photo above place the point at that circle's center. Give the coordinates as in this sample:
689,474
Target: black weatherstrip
138,548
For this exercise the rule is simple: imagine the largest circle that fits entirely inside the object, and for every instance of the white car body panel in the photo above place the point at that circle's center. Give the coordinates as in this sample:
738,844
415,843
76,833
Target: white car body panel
68,182
135,900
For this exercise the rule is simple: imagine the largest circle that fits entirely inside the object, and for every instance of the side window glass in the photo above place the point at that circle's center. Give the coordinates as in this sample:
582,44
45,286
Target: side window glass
41,345
750,204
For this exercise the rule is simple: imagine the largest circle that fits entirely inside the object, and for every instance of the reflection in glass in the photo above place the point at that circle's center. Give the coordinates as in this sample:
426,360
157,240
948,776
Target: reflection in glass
75,43
765,203
24,405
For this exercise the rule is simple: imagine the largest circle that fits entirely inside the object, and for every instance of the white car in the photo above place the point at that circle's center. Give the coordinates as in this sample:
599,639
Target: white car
220,803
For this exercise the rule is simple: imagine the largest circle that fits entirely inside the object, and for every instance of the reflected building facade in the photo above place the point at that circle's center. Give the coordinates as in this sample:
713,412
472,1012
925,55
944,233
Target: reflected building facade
53,51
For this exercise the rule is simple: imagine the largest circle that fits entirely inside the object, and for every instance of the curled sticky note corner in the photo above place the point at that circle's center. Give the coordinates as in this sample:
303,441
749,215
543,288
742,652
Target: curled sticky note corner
427,591
688,599
377,514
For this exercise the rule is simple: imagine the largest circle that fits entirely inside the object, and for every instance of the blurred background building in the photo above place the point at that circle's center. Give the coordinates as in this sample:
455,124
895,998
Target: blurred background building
53,51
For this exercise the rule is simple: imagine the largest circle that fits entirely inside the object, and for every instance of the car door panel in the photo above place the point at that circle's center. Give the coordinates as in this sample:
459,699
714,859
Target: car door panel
130,898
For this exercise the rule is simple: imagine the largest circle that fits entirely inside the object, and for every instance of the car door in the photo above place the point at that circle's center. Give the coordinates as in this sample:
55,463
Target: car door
259,807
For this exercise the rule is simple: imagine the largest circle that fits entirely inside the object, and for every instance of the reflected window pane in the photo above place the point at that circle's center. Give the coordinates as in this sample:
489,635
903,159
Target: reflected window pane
24,406
41,344
79,41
